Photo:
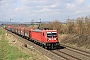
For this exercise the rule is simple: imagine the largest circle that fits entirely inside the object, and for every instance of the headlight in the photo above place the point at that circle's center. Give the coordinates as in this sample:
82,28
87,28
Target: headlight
49,39
54,38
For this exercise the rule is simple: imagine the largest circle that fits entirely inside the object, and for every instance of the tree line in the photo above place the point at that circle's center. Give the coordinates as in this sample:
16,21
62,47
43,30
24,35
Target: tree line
80,25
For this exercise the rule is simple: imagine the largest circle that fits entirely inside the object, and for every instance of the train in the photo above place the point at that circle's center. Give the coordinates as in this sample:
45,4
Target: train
44,37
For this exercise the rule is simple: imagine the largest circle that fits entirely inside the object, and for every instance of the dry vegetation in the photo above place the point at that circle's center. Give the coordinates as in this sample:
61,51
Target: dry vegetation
74,31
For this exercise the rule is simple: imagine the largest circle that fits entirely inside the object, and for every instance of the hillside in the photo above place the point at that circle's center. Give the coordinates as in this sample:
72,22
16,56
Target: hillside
82,41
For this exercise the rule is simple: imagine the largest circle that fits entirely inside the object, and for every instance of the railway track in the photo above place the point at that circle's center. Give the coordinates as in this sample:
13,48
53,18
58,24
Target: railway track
80,52
66,53
77,50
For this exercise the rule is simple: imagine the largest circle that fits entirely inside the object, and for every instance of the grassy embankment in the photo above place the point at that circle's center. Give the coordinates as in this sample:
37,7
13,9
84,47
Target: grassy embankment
8,52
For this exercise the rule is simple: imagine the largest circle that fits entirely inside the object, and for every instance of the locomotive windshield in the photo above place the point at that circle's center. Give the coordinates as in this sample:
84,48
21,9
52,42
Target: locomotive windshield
51,34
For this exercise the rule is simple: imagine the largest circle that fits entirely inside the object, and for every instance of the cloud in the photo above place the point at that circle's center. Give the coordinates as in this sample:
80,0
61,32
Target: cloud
44,9
79,2
1,0
70,6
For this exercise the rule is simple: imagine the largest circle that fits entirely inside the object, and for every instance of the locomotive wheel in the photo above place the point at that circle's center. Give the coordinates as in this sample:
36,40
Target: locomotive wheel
43,46
46,47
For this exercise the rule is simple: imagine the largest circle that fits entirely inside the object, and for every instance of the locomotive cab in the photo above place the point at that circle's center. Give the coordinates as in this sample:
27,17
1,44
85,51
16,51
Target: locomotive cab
51,38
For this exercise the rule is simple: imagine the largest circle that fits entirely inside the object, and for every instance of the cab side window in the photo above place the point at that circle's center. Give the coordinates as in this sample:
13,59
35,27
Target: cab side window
43,34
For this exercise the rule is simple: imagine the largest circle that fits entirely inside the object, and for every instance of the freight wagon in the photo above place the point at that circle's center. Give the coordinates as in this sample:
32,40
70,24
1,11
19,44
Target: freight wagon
9,28
23,31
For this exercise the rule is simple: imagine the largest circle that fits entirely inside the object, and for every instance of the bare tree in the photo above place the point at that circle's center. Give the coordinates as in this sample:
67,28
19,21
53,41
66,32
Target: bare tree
87,22
80,24
32,23
70,25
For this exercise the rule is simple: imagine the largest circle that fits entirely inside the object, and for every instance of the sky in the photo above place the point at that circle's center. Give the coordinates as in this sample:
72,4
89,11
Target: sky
46,10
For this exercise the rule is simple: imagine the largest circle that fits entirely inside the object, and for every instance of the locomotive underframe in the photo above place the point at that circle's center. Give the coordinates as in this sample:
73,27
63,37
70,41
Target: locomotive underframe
46,44
51,45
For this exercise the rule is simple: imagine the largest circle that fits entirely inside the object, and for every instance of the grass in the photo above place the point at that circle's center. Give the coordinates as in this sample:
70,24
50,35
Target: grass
8,52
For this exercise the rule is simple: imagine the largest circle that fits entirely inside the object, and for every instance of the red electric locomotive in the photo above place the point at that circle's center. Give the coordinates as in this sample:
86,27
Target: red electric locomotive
47,38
